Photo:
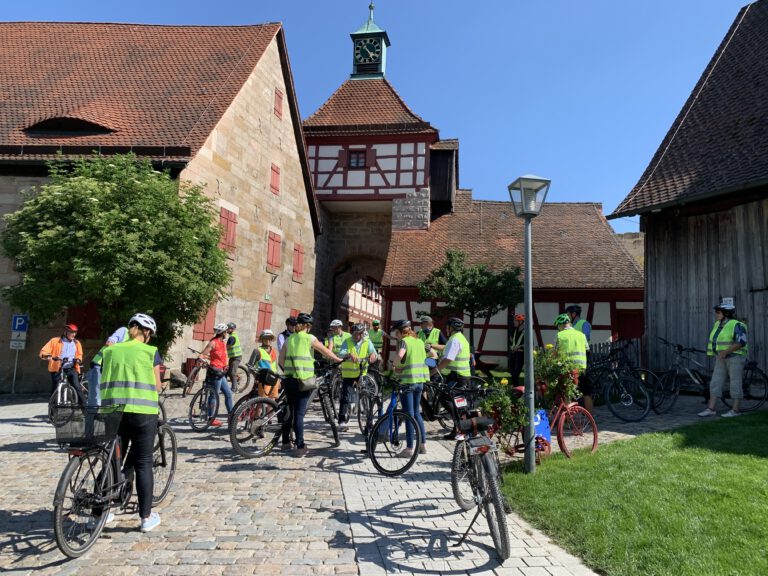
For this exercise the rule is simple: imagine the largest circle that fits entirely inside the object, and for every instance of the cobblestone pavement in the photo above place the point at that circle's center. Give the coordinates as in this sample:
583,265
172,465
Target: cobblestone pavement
328,513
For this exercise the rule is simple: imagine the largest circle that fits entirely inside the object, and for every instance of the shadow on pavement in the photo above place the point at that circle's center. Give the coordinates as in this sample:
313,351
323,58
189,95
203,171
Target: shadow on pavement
27,534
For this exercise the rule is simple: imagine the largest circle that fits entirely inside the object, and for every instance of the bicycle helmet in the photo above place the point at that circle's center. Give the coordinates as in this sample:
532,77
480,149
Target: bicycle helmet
573,308
336,324
266,333
143,320
304,318
425,320
520,317
220,328
376,322
357,328
400,324
231,325
290,321
562,319
456,323
70,327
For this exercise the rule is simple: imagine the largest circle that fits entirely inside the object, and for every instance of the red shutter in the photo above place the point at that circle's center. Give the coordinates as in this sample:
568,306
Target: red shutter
274,183
294,312
203,330
228,221
298,262
86,318
265,317
370,157
278,103
274,248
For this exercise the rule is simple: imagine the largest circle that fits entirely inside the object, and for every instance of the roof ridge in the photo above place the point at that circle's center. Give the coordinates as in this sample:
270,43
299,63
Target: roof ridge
620,244
145,25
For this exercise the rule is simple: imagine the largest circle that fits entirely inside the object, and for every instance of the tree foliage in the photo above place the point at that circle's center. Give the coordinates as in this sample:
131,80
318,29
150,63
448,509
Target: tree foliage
118,233
476,289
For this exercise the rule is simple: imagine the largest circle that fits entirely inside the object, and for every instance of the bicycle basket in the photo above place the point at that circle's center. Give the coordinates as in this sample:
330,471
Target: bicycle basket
78,426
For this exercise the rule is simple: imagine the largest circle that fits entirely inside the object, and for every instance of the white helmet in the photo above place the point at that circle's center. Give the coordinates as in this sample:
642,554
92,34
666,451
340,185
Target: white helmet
144,320
220,327
266,333
336,324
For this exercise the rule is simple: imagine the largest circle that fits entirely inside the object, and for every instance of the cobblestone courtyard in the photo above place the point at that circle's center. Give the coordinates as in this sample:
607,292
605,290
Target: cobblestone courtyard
329,513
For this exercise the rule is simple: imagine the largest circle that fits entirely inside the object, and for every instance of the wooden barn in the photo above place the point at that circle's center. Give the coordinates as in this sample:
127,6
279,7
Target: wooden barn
703,200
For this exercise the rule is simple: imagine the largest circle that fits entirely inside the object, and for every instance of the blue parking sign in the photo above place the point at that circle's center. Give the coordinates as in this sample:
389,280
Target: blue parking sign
20,323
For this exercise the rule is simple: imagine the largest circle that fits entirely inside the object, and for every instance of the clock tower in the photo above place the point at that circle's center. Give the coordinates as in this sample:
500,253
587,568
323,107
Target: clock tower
369,49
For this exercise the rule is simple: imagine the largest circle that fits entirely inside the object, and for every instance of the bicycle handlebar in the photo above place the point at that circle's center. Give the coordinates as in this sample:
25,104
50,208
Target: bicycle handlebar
679,347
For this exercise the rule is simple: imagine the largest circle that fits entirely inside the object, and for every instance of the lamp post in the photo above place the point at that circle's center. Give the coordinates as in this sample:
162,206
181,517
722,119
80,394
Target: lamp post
528,194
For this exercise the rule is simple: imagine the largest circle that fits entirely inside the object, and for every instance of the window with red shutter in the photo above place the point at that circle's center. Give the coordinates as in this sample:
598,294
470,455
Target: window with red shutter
265,317
203,330
274,182
278,103
228,221
274,248
298,262
86,318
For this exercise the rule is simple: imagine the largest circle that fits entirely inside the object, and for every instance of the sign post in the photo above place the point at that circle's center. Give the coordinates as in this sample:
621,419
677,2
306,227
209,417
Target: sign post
19,327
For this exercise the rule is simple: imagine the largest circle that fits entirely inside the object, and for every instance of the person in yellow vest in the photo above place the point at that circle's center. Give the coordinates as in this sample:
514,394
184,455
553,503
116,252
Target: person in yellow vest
268,360
573,344
432,337
337,337
130,377
574,313
728,342
298,364
234,353
376,335
355,349
411,369
455,364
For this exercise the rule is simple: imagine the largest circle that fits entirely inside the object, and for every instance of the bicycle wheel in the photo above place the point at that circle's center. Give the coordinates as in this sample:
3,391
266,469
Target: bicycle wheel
627,398
460,477
163,462
666,390
80,507
68,400
754,386
369,410
242,380
493,504
190,382
576,429
256,426
335,387
387,443
162,414
203,409
329,413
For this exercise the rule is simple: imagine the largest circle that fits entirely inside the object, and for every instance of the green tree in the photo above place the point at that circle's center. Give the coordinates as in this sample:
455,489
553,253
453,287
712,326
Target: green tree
114,231
478,290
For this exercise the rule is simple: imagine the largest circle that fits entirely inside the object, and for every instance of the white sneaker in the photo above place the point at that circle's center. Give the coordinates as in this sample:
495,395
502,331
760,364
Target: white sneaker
731,414
93,521
150,523
343,426
707,412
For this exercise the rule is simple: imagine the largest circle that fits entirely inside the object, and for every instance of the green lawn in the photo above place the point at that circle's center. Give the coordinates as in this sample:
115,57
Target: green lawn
693,501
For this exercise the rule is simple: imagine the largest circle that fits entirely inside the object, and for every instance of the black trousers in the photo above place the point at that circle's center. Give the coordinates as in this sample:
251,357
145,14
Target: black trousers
516,368
140,430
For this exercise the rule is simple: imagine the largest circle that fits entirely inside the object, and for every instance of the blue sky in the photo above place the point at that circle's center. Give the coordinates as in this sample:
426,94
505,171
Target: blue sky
581,92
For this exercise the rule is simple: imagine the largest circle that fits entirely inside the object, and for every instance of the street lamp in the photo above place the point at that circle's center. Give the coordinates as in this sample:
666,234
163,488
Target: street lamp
528,194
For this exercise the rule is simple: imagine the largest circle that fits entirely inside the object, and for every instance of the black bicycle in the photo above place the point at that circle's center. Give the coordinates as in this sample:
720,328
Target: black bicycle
93,479
65,394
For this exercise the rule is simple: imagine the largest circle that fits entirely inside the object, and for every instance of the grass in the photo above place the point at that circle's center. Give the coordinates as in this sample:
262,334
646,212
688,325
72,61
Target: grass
693,501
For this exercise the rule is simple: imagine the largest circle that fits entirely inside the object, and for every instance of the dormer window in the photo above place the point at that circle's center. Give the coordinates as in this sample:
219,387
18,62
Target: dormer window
66,126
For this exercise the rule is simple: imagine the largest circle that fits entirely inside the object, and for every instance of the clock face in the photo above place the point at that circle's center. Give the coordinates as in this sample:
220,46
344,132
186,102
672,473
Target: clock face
367,50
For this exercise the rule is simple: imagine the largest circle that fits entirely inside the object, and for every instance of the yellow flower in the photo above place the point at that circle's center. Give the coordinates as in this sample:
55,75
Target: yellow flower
549,346
535,352
504,381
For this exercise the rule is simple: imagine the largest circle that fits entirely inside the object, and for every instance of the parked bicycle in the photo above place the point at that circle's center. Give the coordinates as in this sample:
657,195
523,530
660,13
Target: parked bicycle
475,463
94,480
687,372
622,386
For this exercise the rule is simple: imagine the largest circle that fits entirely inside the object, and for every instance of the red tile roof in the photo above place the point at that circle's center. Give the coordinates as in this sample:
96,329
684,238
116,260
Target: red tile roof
152,85
573,245
719,142
365,106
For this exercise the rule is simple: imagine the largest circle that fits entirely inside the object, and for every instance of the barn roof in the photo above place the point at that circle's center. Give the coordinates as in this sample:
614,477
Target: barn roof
573,245
718,144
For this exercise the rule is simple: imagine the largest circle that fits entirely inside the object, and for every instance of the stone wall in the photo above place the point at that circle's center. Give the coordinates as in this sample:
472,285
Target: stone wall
634,242
411,212
235,166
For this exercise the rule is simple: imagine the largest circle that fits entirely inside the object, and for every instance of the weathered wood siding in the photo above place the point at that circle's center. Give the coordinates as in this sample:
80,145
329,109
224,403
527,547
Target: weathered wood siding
693,261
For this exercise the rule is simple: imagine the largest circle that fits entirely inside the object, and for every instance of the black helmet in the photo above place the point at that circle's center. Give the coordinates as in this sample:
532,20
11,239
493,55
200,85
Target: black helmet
304,318
231,325
574,308
400,324
290,321
456,323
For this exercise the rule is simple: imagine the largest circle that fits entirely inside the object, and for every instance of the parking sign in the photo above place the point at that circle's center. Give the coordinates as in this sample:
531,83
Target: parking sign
20,323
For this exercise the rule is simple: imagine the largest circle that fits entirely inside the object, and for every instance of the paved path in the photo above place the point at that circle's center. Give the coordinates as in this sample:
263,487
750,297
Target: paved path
330,513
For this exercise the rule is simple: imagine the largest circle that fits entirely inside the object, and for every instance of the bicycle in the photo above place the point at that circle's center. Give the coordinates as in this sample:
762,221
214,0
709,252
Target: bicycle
242,381
369,400
669,384
387,439
439,403
204,406
480,457
65,394
93,479
622,385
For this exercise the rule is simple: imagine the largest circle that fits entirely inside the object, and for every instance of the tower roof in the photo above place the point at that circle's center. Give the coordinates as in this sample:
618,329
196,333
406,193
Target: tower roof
365,106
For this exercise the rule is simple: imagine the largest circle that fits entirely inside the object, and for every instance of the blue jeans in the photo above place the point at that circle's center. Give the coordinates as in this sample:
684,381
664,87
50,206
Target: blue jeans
94,382
411,399
220,384
298,402
348,397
